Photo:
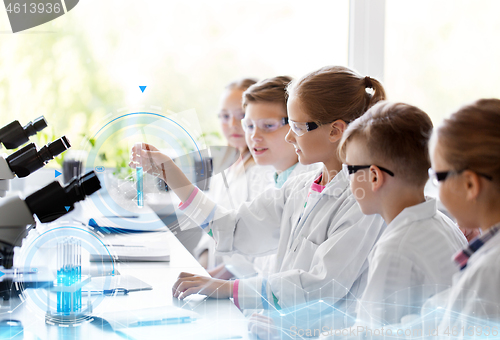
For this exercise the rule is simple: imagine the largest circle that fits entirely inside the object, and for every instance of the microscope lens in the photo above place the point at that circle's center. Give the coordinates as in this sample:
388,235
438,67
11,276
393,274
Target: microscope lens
90,183
39,124
59,146
54,149
35,126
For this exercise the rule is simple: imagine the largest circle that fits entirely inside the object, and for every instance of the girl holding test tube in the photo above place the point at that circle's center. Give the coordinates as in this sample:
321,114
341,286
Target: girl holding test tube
313,224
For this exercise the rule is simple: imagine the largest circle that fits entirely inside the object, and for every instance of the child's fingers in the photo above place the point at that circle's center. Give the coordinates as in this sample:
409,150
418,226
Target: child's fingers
176,285
184,274
189,291
184,285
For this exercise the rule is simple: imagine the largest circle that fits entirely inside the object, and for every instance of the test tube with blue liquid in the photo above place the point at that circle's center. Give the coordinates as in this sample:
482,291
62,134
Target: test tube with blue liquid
69,273
140,186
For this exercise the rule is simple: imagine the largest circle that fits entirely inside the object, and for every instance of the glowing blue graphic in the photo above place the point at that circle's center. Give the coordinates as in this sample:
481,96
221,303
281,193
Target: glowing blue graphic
158,116
140,186
142,88
41,247
120,196
69,273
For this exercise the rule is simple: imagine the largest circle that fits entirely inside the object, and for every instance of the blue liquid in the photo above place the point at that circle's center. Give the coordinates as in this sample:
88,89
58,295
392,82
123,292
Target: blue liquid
140,177
60,280
69,302
79,291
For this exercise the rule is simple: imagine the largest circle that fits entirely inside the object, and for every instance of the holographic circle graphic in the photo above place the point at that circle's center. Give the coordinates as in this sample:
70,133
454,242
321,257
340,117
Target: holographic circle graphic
109,157
39,253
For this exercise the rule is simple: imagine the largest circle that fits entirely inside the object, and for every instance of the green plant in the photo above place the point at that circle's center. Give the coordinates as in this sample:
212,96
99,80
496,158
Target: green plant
118,158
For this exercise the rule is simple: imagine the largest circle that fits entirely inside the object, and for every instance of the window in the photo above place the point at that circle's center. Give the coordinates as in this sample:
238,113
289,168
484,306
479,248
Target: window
440,55
92,61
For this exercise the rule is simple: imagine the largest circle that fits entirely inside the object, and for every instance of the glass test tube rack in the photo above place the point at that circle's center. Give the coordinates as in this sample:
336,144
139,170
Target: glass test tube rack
69,285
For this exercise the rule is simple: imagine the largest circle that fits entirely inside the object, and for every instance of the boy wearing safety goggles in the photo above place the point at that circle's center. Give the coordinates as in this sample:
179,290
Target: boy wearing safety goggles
385,152
266,125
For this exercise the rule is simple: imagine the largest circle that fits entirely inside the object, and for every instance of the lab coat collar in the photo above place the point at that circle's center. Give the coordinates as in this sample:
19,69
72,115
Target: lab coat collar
337,186
415,213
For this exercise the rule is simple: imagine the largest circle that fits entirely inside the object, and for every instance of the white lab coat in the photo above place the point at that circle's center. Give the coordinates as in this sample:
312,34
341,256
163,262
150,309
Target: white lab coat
321,251
411,261
246,266
473,302
243,186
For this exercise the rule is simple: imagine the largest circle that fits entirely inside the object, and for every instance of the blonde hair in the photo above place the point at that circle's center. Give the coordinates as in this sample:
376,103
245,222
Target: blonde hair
470,138
242,85
395,134
272,90
336,92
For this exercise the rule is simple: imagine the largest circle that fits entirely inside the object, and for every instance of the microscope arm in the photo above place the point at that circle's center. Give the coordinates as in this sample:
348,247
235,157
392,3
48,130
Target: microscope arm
5,172
48,204
15,217
5,176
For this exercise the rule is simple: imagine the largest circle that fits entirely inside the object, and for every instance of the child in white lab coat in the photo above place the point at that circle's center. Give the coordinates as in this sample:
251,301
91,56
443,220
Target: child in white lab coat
244,179
313,224
265,125
386,158
465,156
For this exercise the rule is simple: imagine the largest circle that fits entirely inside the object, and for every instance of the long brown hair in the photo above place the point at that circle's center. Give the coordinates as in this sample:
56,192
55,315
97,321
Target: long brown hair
470,138
336,92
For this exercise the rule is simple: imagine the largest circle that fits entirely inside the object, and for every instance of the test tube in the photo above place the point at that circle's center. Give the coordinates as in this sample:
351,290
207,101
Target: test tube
66,300
68,274
79,274
140,178
60,274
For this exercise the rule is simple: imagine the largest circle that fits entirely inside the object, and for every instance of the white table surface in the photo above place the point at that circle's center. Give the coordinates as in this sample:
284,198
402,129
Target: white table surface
219,319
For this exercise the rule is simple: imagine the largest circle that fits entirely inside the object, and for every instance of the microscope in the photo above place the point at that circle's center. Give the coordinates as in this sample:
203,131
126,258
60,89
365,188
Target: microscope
28,159
47,204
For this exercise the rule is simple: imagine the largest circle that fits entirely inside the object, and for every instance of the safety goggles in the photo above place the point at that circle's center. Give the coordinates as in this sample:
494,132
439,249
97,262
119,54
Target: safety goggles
300,128
352,169
440,176
225,116
264,125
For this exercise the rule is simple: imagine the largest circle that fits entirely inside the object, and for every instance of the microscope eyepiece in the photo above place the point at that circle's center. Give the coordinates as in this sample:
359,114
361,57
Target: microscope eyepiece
27,160
54,149
13,135
35,126
54,201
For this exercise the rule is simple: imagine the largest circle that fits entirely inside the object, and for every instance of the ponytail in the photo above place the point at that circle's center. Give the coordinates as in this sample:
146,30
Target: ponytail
374,92
336,92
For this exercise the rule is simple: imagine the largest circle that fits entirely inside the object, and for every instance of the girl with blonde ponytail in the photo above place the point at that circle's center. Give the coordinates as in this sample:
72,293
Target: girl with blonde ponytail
313,224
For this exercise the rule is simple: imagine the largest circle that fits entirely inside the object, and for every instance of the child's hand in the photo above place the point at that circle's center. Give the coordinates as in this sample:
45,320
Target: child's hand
188,284
262,327
150,158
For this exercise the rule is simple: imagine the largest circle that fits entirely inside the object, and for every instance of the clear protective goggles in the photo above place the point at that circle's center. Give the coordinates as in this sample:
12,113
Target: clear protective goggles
264,125
225,116
300,128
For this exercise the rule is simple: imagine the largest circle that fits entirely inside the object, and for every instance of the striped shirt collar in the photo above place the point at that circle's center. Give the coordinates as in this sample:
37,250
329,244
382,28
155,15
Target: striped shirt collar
462,257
